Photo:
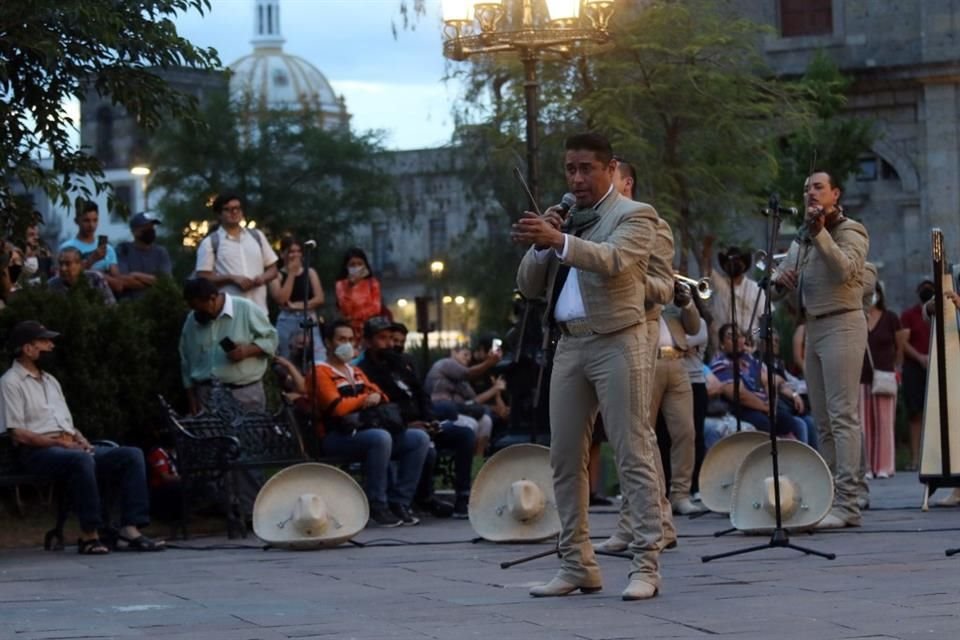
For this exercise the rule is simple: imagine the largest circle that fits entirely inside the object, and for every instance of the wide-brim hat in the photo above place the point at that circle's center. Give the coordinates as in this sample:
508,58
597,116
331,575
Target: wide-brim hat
512,498
719,468
806,489
308,506
732,254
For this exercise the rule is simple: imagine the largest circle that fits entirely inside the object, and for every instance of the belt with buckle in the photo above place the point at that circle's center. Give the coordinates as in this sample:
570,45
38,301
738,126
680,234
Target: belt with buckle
830,314
576,328
669,353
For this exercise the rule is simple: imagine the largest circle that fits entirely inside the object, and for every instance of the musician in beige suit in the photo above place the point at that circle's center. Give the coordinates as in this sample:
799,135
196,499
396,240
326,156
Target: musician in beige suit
593,277
659,290
826,271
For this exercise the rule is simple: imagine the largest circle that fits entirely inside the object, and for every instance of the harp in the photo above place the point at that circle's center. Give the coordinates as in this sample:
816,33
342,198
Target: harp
940,443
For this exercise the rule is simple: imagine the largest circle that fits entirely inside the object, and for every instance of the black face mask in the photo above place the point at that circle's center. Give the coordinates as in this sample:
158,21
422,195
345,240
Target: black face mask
925,294
148,236
45,360
14,270
398,350
202,317
384,356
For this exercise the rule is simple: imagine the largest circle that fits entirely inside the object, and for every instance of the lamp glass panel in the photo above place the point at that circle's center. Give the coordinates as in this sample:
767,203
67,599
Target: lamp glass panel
456,10
563,9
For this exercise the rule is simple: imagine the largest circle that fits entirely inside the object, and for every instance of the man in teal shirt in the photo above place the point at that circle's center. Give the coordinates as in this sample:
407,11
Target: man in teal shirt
225,338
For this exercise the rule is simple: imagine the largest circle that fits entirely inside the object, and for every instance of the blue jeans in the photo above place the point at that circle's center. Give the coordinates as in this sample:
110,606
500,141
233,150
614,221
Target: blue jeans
461,441
375,449
119,468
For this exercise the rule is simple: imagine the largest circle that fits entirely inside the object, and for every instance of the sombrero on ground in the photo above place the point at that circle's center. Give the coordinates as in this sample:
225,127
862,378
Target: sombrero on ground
512,498
308,506
720,468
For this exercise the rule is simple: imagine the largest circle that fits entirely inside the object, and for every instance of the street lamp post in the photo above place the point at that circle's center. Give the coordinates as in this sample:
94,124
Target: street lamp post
436,271
569,28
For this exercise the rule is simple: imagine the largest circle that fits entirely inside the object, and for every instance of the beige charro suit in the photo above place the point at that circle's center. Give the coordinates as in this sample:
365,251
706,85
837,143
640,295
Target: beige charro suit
602,370
830,292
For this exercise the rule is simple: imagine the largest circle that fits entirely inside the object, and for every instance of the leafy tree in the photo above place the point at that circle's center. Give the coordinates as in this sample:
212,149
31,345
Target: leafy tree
51,51
830,140
296,176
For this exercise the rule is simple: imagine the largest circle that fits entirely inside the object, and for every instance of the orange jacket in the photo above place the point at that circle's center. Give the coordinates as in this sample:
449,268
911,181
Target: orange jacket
330,386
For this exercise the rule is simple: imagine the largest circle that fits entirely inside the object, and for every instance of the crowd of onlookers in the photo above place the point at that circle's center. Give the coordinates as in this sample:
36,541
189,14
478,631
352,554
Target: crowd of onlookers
351,380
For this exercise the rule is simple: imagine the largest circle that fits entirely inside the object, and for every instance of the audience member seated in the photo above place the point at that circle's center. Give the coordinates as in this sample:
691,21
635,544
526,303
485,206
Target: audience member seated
398,338
142,261
95,251
72,274
753,401
348,429
35,413
388,370
448,383
718,421
498,403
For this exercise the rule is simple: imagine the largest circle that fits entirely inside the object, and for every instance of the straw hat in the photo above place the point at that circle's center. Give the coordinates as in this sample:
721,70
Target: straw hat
308,506
806,489
720,467
512,498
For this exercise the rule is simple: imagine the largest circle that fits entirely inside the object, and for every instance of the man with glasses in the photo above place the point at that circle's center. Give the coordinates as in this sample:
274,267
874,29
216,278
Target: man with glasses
237,259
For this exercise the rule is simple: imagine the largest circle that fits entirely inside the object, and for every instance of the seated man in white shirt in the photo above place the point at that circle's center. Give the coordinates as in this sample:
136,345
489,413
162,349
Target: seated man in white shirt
34,411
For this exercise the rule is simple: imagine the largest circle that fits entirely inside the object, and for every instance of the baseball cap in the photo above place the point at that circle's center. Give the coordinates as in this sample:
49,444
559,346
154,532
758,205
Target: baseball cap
375,325
142,218
27,331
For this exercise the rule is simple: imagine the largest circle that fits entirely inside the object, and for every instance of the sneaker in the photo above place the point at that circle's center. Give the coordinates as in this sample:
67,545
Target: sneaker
403,512
384,517
597,500
461,508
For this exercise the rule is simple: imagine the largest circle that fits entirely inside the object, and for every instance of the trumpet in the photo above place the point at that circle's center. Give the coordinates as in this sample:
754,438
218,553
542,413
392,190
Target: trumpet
760,259
702,286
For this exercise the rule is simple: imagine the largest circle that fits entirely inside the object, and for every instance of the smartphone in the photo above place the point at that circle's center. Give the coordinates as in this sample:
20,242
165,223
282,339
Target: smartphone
497,345
101,241
227,344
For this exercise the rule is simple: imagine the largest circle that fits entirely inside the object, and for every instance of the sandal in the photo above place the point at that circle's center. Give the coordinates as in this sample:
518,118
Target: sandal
92,547
140,543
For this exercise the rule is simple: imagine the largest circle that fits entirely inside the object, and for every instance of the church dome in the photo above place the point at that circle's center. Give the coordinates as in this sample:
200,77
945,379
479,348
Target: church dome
269,79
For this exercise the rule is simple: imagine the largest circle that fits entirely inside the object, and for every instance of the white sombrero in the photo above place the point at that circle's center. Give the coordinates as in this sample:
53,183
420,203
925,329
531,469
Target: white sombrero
308,506
720,468
806,489
512,498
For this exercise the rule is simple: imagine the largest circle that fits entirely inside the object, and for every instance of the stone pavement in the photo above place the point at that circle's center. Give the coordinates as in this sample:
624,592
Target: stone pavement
890,580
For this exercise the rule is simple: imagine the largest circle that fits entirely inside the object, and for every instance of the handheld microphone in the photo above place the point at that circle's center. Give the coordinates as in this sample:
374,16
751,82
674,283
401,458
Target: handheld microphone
310,244
567,202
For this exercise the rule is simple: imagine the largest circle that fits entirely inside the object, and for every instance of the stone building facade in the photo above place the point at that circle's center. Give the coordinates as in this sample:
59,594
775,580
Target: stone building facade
904,58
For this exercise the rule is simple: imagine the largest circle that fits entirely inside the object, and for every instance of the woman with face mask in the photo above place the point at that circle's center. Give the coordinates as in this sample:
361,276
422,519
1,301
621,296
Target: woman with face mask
885,343
358,291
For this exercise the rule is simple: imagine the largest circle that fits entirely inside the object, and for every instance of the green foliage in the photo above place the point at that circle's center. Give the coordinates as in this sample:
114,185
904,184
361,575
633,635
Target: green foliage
830,141
51,51
296,176
111,361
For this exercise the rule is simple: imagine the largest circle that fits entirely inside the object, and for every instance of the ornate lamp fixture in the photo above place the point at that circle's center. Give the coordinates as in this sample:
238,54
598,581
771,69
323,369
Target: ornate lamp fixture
533,29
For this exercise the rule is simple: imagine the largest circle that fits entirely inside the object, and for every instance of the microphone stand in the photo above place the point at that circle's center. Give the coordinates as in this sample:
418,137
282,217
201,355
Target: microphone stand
307,324
779,538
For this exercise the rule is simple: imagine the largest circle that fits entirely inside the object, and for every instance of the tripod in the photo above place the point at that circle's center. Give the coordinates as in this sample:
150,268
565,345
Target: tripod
779,538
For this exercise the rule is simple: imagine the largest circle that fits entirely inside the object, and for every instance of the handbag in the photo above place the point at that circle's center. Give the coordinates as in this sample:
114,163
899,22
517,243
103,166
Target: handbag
884,382
386,416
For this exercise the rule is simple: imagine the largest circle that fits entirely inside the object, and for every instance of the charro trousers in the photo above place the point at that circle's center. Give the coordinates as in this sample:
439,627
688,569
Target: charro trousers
834,357
673,395
605,372
624,527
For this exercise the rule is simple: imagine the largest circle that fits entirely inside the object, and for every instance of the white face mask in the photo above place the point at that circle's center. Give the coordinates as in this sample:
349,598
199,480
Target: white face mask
357,272
874,299
31,265
344,352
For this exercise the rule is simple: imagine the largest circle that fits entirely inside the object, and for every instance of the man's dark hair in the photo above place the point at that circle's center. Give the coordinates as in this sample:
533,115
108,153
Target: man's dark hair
329,330
833,182
591,142
221,201
87,207
724,330
72,250
485,342
199,289
627,170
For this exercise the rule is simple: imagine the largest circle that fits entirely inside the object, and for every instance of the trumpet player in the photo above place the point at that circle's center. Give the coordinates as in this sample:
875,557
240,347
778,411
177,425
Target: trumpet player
824,269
